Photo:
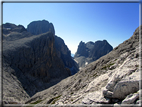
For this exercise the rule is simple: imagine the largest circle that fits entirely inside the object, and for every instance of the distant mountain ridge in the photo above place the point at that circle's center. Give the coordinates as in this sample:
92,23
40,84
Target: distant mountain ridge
90,51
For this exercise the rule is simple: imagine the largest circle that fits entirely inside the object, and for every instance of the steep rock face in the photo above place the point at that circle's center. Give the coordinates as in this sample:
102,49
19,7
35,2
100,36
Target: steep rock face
112,79
32,63
91,51
64,53
35,62
100,48
39,27
81,51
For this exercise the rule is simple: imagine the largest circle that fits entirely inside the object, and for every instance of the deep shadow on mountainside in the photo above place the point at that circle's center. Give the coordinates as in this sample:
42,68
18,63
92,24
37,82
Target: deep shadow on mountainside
112,79
32,61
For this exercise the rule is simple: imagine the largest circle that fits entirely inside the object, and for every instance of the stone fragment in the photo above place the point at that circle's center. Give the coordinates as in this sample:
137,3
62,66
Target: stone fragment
96,97
131,98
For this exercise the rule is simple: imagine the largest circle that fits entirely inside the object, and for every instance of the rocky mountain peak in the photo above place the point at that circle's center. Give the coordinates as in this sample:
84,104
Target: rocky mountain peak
9,27
39,27
90,51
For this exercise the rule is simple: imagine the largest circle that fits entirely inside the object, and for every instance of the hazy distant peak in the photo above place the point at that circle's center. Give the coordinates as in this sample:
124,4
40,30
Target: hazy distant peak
91,51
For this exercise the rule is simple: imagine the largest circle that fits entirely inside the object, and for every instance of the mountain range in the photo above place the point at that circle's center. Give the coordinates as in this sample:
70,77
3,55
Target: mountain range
38,68
33,61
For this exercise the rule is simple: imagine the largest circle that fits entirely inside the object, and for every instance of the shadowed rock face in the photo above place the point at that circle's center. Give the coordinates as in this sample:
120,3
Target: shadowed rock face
39,27
35,61
8,27
32,62
91,51
12,32
64,53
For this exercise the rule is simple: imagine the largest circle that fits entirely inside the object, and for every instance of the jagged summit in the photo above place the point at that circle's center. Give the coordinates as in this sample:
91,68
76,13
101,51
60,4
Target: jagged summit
90,51
9,27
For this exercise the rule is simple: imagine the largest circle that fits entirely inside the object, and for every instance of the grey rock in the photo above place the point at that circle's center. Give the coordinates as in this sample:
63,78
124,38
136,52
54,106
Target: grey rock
34,62
13,32
8,27
131,98
120,88
89,52
96,97
65,54
39,27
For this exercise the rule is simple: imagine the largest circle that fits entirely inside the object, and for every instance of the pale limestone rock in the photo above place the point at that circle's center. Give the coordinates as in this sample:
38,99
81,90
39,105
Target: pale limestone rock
97,82
129,84
130,98
124,80
96,97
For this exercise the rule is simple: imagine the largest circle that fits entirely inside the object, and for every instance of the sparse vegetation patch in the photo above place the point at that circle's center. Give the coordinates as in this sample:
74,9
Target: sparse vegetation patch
55,99
107,66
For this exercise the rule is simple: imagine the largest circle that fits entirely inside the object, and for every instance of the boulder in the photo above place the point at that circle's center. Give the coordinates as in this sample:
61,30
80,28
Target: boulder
120,85
131,98
95,97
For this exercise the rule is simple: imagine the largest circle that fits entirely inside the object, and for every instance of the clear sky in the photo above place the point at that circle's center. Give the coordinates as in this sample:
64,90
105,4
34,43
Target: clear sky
75,22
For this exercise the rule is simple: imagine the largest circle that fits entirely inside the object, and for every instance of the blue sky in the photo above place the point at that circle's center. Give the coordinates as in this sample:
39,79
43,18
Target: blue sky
75,22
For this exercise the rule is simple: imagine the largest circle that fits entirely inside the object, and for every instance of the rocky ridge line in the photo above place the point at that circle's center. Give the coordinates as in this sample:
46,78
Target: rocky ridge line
90,51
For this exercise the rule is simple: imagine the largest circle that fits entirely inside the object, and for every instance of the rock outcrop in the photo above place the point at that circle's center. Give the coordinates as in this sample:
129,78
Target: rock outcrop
11,32
39,27
65,54
32,63
112,79
89,52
